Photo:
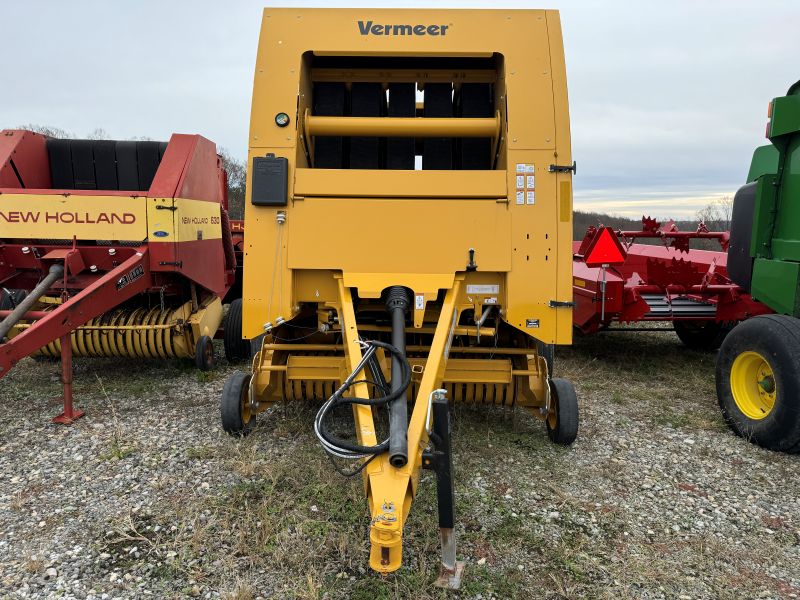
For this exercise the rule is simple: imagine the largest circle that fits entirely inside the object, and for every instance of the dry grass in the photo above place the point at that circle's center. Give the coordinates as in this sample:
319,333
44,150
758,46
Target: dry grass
534,520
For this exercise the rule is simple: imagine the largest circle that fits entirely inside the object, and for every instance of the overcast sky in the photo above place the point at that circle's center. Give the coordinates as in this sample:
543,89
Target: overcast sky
667,99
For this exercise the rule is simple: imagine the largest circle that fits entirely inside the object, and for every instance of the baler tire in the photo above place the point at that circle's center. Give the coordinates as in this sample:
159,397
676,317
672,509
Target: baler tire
234,408
765,347
236,348
703,336
11,299
562,422
204,353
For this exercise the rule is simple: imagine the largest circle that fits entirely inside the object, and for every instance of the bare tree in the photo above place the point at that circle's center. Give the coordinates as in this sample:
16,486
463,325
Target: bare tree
48,130
237,176
98,134
717,214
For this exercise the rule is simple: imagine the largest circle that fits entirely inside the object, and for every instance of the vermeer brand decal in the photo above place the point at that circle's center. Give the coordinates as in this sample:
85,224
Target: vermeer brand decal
372,28
18,216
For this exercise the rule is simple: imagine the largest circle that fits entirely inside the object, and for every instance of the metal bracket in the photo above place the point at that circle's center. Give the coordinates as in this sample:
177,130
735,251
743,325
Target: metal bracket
561,304
564,168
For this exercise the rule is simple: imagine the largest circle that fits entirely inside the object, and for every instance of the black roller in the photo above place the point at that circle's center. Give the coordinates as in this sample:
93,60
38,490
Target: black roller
127,169
366,100
148,160
83,165
437,153
476,101
329,101
59,155
402,103
105,165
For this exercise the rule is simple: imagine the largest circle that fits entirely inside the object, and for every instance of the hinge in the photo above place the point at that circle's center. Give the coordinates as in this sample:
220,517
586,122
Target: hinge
564,168
560,304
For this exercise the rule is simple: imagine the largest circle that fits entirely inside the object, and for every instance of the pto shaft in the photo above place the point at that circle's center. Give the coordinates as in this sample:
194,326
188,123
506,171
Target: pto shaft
397,304
55,273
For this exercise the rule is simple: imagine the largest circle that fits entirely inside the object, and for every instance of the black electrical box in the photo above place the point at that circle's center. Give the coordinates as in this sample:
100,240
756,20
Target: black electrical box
270,181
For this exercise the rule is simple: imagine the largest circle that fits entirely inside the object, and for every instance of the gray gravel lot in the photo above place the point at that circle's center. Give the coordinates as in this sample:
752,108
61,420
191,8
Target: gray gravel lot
147,498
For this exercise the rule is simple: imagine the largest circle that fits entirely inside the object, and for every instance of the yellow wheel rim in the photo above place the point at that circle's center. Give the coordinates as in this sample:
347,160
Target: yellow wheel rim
244,404
753,385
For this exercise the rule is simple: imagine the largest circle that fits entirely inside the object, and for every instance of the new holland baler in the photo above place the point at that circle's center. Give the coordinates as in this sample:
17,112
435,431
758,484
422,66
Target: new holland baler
409,211
122,248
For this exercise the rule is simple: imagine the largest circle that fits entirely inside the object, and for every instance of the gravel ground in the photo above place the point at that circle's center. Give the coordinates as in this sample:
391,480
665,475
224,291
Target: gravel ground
145,497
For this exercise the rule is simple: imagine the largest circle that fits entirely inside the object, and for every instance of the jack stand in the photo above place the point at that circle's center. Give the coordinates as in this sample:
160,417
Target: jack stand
69,415
440,460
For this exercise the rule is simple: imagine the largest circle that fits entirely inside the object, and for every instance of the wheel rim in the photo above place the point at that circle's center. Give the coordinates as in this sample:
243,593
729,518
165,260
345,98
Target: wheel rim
208,353
753,385
244,405
552,415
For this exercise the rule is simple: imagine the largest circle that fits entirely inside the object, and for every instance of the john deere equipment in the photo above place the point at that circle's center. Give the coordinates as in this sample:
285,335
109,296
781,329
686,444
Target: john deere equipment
408,220
111,248
758,367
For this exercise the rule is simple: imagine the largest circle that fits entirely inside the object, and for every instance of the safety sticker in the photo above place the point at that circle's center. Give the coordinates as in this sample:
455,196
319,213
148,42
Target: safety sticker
492,300
520,167
483,289
530,197
530,182
529,168
525,168
520,181
520,197
532,323
130,277
419,301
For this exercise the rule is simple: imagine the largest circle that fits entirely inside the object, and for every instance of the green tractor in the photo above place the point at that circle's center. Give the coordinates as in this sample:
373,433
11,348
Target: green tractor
758,366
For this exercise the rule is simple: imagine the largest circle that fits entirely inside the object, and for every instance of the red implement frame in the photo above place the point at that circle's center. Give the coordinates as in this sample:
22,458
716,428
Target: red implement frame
660,282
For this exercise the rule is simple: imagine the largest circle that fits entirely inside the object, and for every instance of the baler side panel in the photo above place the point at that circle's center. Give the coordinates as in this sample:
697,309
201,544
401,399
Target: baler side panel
23,160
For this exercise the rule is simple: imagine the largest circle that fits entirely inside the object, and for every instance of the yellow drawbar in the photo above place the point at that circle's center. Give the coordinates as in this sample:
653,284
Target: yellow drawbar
409,231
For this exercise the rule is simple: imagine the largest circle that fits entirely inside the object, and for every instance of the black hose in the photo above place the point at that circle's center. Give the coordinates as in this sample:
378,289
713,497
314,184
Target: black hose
338,399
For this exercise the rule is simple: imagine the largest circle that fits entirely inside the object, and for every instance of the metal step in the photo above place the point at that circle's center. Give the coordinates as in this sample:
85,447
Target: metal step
662,309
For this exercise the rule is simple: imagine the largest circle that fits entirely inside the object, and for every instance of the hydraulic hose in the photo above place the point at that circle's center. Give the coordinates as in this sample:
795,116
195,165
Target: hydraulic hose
341,448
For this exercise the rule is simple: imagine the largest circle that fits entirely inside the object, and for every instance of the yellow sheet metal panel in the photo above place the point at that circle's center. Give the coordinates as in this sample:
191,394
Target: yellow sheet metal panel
416,236
371,183
58,216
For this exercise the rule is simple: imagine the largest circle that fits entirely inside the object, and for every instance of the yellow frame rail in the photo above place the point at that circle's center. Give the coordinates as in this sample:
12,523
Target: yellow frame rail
390,491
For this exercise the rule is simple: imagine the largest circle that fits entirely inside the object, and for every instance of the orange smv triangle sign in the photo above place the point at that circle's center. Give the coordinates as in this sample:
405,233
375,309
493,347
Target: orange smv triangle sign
605,249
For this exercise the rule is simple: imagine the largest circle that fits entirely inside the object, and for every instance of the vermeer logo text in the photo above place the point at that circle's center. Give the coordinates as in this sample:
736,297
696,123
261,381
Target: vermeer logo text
370,28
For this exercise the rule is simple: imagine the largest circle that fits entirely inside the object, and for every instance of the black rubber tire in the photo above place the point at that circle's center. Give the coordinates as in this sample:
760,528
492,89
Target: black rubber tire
705,336
10,300
565,412
236,348
204,353
234,394
777,339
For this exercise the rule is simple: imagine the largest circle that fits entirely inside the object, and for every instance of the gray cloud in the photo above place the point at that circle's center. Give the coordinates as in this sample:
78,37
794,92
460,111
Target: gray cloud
668,99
